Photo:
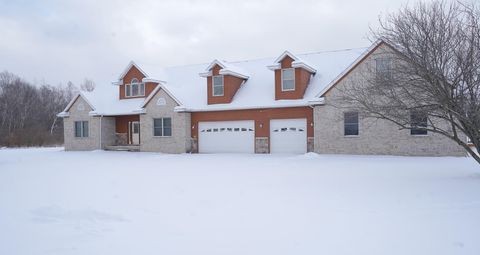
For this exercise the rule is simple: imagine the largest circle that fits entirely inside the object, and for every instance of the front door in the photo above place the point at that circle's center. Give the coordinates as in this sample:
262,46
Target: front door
134,132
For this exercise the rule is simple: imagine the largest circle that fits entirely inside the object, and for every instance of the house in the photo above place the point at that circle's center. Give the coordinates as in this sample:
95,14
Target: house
270,105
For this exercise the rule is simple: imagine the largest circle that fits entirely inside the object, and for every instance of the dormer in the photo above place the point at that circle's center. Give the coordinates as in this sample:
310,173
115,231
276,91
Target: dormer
292,76
223,81
133,82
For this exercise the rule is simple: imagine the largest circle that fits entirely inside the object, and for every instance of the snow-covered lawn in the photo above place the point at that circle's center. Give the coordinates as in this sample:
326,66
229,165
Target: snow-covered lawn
56,202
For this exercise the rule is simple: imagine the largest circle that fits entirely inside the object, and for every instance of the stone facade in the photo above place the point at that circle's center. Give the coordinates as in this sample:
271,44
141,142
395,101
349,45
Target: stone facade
180,141
375,136
310,144
79,112
261,145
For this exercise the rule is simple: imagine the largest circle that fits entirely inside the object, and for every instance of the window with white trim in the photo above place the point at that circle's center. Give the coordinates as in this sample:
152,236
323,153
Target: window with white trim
81,128
218,85
288,79
162,127
135,88
418,122
350,123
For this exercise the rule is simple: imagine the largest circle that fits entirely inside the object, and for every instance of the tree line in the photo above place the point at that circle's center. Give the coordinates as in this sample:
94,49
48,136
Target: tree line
28,112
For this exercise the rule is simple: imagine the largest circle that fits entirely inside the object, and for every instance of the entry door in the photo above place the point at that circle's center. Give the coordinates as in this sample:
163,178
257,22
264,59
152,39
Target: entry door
226,137
288,136
134,128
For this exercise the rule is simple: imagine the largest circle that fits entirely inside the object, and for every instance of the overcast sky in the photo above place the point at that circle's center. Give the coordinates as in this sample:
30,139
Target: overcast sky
57,41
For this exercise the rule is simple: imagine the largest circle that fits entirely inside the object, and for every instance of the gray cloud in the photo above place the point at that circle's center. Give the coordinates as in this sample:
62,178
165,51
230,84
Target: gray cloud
57,41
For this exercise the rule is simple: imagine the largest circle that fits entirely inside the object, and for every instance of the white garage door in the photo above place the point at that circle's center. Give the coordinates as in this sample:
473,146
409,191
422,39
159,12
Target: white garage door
226,136
288,136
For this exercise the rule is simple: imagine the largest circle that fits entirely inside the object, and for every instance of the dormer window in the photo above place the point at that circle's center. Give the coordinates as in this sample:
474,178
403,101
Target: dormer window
135,88
288,79
218,85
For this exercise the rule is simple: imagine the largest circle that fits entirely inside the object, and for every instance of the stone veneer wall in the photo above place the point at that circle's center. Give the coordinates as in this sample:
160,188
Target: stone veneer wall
79,112
180,141
375,136
261,145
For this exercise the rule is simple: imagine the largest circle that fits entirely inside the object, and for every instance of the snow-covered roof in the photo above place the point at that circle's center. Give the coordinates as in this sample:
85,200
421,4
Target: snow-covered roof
259,90
152,73
297,62
104,100
226,69
189,90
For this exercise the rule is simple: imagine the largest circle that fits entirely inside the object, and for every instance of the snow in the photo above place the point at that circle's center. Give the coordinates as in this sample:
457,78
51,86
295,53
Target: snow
259,90
190,89
105,100
56,202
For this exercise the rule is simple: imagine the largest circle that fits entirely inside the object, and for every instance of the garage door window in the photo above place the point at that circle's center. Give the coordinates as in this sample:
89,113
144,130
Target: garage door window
162,127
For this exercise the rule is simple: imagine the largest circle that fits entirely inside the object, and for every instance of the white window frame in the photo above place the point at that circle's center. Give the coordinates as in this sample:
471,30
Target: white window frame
213,86
162,127
293,78
128,87
82,131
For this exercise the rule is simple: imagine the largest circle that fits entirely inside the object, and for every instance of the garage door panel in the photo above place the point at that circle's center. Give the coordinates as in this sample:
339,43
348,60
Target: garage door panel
227,137
288,136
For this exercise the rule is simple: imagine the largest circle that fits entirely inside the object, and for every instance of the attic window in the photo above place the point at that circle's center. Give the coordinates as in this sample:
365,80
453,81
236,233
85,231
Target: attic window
288,79
135,88
383,67
218,85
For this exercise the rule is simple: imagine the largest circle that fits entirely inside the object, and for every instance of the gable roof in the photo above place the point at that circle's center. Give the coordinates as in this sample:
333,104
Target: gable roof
226,69
189,89
297,62
259,90
65,111
155,91
150,76
352,66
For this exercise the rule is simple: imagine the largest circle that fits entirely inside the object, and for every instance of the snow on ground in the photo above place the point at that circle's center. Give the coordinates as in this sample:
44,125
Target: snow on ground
56,202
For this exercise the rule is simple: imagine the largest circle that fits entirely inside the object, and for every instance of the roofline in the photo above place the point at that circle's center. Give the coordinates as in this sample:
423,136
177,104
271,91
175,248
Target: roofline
155,91
97,114
213,63
351,67
129,66
284,54
70,104
236,108
232,73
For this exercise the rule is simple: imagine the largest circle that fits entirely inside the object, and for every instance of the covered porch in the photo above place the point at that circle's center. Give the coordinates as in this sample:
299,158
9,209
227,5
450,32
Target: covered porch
127,130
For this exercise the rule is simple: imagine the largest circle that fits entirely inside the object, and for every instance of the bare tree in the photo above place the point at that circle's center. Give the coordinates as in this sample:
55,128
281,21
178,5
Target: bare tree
27,112
430,77
87,85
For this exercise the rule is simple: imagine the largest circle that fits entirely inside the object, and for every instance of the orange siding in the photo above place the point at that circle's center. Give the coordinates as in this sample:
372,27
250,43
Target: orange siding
260,116
231,84
121,122
135,73
302,78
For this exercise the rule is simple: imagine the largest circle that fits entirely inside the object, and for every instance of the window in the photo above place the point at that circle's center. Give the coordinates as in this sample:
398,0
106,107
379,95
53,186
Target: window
418,122
218,85
162,127
350,123
383,67
288,79
81,128
135,88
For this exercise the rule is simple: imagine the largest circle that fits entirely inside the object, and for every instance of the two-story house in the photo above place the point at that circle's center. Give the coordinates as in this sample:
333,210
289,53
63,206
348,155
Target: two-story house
270,105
